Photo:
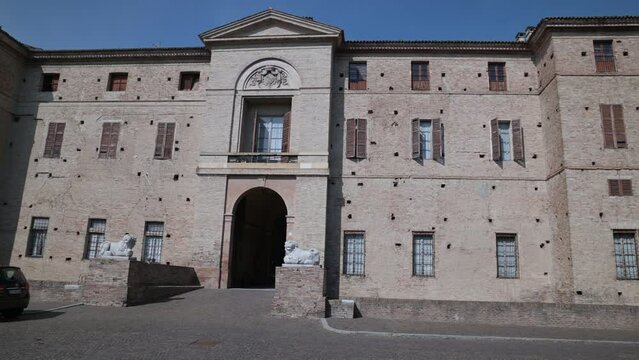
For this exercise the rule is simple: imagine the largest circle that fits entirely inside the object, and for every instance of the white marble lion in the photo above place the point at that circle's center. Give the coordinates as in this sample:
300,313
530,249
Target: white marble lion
297,256
122,248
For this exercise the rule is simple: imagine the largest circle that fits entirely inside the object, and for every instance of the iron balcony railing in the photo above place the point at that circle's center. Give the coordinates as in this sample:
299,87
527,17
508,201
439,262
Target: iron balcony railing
262,158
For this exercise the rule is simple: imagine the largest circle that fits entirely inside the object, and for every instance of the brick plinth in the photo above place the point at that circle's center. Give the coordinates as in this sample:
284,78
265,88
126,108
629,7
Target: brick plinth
299,292
106,283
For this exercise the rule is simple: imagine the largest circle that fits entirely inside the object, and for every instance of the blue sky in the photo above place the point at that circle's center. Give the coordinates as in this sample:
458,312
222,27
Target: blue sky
81,24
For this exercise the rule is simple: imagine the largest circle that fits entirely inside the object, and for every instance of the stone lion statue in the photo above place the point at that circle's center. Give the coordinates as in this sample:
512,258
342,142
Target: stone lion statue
121,249
297,256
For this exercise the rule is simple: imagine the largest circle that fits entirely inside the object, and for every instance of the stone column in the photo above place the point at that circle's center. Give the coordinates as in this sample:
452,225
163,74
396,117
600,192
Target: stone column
225,256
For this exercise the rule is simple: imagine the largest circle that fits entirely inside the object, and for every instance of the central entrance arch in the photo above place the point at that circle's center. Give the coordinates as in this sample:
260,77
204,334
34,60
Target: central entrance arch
257,238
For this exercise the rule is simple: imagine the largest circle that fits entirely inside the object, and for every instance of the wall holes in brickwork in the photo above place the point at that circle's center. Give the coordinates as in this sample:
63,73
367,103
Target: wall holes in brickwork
341,75
439,88
483,126
625,53
340,88
370,111
395,112
99,80
139,173
525,74
188,199
490,220
337,125
534,156
137,97
579,292
395,153
443,74
159,199
619,293
593,163
537,220
381,74
172,97
353,172
168,235
447,246
67,259
600,214
545,273
139,79
35,160
350,216
59,97
583,53
442,186
50,257
398,244
542,245
536,188
441,111
360,184
348,201
390,88
464,89
168,79
176,177
445,219
373,142
392,217
493,187
478,74
530,89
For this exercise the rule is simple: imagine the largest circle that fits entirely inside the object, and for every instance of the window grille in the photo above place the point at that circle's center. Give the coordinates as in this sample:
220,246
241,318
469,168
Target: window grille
419,76
357,76
423,255
507,256
626,255
95,237
37,236
354,254
604,56
153,235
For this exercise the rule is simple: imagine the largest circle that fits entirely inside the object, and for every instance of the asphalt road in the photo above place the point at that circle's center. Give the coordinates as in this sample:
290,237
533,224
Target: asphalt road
234,324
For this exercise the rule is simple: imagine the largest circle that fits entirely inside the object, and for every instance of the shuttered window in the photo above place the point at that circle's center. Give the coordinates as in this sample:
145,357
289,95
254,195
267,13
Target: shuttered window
357,76
354,253
356,138
626,255
188,80
507,140
604,56
164,141
50,82
53,143
95,237
117,81
419,76
497,76
423,255
612,124
152,247
620,187
507,256
109,140
427,139
37,236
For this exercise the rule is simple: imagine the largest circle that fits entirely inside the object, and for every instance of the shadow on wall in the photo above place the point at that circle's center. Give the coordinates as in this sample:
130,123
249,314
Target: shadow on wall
335,201
17,137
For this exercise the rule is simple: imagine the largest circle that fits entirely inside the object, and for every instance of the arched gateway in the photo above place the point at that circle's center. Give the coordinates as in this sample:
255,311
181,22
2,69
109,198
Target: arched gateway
257,238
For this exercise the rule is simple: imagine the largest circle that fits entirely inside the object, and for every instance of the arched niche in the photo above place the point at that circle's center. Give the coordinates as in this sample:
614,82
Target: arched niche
269,74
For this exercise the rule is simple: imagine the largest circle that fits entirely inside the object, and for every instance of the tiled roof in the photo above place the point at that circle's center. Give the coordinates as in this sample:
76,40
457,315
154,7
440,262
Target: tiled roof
187,53
414,45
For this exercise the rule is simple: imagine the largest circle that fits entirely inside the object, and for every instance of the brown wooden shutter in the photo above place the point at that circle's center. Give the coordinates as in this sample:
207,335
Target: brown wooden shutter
59,136
361,138
620,128
606,123
496,145
518,141
48,145
286,132
351,133
168,142
614,187
109,141
416,141
159,141
625,187
438,140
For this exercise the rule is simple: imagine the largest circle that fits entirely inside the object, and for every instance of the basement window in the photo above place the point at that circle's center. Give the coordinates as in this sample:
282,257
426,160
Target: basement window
152,245
37,236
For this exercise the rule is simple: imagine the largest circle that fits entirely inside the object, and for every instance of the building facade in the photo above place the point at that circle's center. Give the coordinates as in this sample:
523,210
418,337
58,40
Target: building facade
441,170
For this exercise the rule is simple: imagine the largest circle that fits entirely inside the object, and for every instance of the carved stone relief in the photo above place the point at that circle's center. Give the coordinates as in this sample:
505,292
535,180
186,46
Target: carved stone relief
268,77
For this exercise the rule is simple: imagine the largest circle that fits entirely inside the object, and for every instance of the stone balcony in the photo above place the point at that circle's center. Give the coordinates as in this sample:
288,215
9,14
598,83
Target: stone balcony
251,163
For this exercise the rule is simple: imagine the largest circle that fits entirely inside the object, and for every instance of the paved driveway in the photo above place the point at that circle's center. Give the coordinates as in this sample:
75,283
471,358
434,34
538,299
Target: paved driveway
234,324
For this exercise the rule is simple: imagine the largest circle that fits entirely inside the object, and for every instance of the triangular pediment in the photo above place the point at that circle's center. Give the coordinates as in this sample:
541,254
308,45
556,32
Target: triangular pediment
271,25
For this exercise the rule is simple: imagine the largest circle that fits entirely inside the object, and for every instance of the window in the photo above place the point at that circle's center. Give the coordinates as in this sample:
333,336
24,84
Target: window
95,237
423,255
269,134
117,81
164,141
356,138
109,141
37,236
188,80
507,140
265,131
354,253
626,255
357,76
152,248
419,76
497,76
620,187
427,139
612,124
604,56
507,256
50,82
53,143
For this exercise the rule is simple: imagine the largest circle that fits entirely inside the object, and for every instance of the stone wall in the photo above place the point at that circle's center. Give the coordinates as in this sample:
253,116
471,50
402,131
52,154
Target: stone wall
299,292
513,313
